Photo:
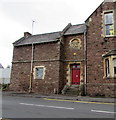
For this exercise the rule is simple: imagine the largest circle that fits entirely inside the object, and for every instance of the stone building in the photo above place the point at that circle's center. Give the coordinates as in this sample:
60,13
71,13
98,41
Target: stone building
80,59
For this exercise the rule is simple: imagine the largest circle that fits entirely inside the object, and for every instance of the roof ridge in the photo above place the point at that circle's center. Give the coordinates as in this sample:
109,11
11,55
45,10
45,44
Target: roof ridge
46,33
79,24
66,28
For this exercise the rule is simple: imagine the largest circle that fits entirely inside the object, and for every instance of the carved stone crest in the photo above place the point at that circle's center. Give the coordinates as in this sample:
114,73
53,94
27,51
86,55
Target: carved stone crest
75,43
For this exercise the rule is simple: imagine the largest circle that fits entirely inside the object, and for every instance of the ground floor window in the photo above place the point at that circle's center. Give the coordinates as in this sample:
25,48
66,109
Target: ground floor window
114,65
107,67
39,72
110,66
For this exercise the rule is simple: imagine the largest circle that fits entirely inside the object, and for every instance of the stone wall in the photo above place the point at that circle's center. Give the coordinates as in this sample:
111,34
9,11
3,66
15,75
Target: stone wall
73,55
102,89
46,55
50,83
97,45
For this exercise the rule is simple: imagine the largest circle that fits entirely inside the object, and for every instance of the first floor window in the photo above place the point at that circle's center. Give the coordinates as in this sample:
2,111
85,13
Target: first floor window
108,23
39,72
114,65
109,30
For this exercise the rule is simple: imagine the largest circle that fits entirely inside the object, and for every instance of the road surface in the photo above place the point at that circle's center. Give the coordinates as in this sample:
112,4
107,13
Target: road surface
27,107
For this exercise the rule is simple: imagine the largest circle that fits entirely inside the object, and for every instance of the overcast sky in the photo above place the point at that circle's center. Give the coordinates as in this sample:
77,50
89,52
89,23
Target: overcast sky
16,17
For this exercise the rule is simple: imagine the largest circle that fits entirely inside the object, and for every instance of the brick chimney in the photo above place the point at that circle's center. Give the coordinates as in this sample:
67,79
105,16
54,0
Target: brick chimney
27,34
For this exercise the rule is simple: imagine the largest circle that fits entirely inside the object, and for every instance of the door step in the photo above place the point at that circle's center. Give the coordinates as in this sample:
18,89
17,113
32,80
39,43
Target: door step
77,90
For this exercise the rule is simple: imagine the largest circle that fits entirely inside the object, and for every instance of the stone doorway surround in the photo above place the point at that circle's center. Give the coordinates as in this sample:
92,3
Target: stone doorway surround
69,79
74,89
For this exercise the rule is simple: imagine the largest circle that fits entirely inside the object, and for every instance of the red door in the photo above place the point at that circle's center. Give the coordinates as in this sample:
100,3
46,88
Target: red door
75,71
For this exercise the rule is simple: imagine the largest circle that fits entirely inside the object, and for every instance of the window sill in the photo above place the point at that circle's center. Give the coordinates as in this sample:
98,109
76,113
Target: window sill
110,36
38,78
114,77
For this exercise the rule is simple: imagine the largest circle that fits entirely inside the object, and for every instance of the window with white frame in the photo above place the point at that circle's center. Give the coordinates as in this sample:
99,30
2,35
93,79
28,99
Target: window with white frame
108,23
39,72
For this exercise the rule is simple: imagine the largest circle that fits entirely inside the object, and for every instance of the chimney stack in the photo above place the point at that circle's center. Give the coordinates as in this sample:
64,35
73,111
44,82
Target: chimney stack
27,34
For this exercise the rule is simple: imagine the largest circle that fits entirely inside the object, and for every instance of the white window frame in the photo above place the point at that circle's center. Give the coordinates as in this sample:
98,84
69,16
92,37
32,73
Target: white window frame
104,25
35,74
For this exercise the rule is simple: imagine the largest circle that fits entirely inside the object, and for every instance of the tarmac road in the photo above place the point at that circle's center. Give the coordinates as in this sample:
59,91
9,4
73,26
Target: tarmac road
27,107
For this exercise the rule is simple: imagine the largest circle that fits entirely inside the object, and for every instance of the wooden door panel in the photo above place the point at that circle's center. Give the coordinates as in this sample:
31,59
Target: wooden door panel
75,69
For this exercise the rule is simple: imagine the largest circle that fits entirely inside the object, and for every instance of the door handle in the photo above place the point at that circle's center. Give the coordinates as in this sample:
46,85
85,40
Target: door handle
76,75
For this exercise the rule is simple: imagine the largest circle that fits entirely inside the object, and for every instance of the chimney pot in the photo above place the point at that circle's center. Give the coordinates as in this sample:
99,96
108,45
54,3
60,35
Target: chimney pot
27,34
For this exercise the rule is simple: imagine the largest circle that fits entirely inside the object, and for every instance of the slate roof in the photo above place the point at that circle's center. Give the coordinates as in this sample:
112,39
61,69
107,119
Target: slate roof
50,37
36,39
76,29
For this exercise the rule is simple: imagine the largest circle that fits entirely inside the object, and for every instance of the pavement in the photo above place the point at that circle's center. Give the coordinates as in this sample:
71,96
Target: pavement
60,96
